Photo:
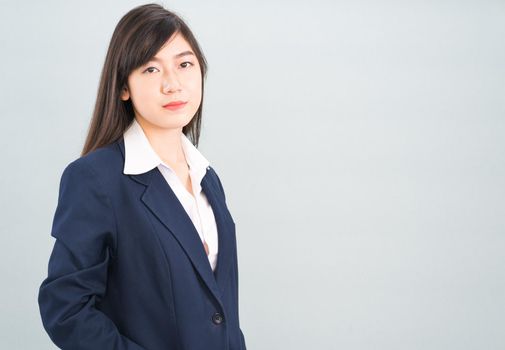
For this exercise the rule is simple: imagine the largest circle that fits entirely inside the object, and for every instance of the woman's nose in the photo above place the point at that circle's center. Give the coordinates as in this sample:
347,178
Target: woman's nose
171,83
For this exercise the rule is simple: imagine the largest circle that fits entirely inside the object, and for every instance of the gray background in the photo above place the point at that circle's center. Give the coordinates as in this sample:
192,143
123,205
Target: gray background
360,143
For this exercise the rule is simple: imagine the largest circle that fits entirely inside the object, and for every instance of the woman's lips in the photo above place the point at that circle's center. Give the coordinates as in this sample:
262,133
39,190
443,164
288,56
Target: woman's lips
175,105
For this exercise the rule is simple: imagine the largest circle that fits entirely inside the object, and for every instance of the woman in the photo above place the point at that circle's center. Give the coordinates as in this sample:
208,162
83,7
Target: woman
145,252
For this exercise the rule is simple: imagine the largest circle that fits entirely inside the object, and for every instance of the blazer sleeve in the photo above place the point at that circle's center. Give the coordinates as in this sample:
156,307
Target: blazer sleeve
85,232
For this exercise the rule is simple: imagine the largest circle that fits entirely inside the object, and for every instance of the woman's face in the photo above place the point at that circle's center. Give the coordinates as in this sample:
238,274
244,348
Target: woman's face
172,75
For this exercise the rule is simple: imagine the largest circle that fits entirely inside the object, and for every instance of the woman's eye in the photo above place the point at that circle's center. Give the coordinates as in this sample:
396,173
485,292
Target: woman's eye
185,66
150,69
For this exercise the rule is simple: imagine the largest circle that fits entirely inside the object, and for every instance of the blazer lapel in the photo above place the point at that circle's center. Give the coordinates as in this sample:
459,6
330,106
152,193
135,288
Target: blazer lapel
225,228
164,204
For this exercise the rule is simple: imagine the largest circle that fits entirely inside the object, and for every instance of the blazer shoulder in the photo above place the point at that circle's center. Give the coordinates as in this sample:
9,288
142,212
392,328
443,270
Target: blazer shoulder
106,161
213,174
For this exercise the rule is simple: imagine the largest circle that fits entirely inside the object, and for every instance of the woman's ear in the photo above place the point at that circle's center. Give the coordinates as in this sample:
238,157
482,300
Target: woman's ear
125,94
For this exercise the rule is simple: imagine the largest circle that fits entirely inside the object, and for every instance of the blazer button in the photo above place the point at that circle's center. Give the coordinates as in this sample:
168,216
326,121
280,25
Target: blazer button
217,318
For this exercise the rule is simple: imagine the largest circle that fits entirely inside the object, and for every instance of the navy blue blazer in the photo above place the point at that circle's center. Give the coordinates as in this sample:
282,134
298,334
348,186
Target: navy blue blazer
128,269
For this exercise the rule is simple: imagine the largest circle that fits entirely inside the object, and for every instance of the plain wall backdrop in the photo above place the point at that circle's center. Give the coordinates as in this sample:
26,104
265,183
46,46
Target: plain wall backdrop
360,143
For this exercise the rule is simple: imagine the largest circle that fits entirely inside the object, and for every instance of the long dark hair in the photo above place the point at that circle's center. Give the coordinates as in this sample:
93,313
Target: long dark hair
138,36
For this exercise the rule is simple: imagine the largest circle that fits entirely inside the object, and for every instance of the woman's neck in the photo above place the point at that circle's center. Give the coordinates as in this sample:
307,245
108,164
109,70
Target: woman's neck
166,143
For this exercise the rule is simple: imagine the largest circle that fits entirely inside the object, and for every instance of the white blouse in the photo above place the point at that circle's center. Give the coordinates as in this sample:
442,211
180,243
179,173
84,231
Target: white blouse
140,157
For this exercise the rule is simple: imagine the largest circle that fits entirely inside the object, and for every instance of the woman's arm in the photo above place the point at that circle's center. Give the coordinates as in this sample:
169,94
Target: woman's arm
85,231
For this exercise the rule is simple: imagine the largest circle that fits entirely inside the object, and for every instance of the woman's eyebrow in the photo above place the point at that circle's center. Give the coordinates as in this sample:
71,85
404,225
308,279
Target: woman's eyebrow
181,54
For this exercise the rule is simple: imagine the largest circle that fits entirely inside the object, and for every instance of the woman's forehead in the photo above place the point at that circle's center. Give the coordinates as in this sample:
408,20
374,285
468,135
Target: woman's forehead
176,42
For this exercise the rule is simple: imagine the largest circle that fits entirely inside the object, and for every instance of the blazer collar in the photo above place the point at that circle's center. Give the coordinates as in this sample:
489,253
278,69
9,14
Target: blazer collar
164,204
